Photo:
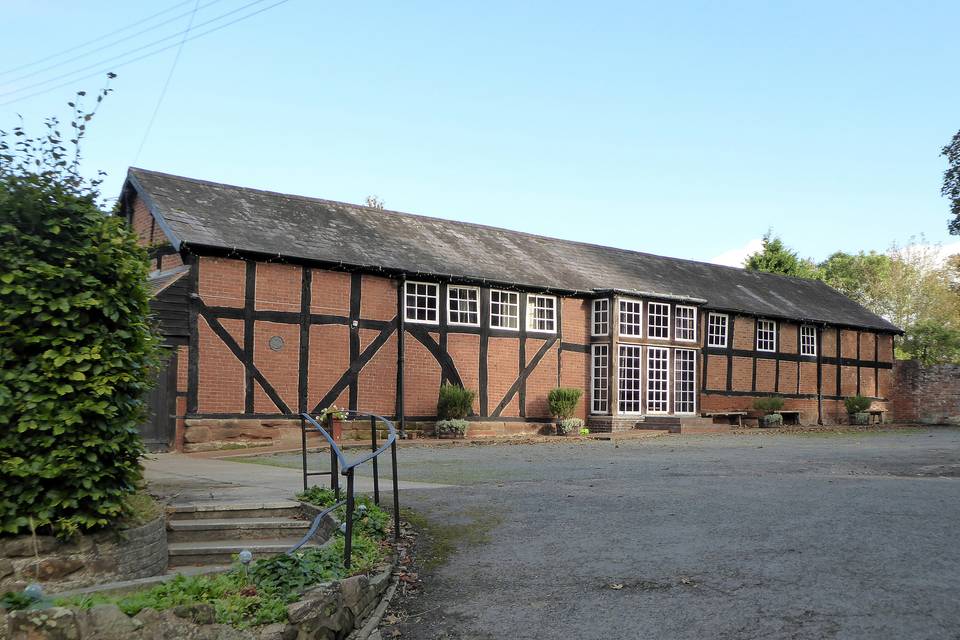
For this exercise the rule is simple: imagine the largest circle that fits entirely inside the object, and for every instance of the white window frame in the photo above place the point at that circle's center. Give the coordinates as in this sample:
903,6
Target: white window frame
639,390
501,304
666,381
677,390
678,330
596,313
406,301
650,313
600,396
770,337
711,336
638,312
812,343
450,311
532,298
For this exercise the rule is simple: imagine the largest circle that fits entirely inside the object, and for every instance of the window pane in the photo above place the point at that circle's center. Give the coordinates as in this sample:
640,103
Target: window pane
629,388
657,380
599,378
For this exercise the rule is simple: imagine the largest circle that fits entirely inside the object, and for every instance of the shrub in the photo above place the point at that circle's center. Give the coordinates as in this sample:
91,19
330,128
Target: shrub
773,420
569,425
768,404
454,402
584,431
856,404
563,401
458,427
76,343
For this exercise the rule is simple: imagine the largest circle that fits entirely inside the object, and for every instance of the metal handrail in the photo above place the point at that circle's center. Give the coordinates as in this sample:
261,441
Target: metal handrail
339,461
313,527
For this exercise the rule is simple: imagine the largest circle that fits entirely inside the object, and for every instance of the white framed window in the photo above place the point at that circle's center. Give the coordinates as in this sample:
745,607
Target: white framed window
463,306
601,317
629,379
684,381
808,340
541,313
420,302
658,379
717,329
600,378
658,320
504,309
766,335
686,329
631,317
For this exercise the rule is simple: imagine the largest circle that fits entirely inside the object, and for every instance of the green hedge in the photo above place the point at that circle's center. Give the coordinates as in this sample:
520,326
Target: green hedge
454,402
563,401
76,344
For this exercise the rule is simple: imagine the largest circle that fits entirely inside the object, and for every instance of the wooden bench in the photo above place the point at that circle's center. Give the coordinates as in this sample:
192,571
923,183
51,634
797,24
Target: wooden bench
878,414
734,417
790,417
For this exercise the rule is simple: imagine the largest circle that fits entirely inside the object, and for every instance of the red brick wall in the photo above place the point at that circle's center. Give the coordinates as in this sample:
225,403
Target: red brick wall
928,394
377,382
716,372
464,349
278,287
575,372
788,337
329,358
541,380
743,333
502,369
221,281
421,375
280,368
379,298
221,374
330,292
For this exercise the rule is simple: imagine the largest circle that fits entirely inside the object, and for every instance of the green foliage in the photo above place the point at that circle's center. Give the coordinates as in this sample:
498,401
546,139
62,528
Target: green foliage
15,601
932,342
318,496
369,519
454,426
772,420
951,182
775,257
563,401
768,404
856,404
454,402
859,276
584,431
76,343
569,425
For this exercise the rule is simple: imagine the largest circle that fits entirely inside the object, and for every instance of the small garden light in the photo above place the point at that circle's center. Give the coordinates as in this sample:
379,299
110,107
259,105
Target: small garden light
245,557
34,591
343,528
362,509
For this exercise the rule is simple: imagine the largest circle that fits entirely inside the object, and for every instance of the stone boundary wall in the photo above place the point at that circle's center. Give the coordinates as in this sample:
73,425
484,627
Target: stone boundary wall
926,394
328,611
104,556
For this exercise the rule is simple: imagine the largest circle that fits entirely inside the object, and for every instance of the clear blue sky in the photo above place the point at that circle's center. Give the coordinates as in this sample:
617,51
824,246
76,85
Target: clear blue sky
684,129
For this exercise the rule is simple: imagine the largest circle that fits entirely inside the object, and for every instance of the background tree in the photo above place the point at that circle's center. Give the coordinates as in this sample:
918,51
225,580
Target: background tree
951,182
374,202
775,257
931,342
76,345
858,276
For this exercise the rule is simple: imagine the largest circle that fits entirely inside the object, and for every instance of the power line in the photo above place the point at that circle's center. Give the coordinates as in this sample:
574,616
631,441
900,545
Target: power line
146,55
111,44
166,84
108,61
97,39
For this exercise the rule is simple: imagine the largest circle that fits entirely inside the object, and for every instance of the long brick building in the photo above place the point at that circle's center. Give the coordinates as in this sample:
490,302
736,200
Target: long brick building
275,304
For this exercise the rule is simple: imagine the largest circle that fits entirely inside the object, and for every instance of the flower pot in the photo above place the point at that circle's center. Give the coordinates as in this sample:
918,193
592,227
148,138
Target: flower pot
860,418
771,420
451,435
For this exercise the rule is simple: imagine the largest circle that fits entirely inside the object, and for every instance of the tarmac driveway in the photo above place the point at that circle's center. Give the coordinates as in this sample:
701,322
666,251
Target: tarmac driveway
745,536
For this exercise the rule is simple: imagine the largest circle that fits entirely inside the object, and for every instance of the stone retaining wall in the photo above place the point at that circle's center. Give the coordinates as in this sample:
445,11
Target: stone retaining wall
329,611
926,394
105,556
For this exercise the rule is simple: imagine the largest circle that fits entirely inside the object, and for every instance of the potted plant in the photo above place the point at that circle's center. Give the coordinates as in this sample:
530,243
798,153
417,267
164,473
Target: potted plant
453,407
770,406
857,409
563,402
336,418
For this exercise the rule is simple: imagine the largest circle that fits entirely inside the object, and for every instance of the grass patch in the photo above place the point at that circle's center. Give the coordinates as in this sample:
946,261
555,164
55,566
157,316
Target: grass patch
443,539
139,509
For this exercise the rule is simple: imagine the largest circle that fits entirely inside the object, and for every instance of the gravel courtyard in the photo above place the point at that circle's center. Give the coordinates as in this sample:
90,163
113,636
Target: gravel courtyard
739,536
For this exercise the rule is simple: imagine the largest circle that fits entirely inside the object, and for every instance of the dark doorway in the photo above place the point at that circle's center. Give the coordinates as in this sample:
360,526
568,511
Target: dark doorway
158,429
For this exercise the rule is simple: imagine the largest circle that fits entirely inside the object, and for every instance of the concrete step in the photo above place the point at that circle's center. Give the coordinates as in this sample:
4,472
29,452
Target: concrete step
222,551
213,530
229,510
693,429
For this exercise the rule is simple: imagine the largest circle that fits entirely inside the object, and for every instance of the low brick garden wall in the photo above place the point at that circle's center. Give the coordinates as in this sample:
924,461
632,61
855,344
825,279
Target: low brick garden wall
329,611
105,556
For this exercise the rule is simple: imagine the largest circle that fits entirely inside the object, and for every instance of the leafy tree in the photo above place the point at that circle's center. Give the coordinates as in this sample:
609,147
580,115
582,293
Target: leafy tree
374,202
858,276
932,342
76,345
775,257
951,182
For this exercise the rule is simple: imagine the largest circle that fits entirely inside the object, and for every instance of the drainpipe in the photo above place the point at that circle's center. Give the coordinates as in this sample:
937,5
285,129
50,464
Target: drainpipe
820,373
401,330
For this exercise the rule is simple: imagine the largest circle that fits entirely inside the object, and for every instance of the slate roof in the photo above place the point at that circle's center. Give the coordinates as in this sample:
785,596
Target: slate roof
202,214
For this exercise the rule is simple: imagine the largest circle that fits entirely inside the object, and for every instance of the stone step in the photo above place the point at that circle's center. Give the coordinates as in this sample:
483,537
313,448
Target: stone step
184,554
213,530
229,510
693,429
